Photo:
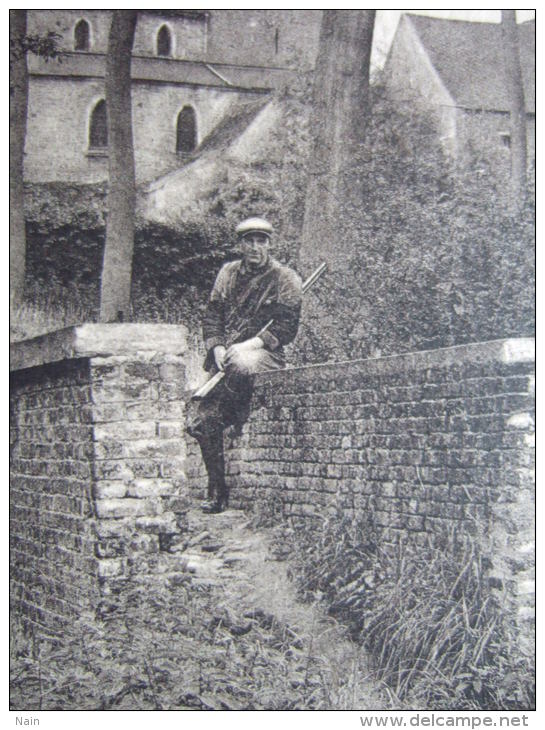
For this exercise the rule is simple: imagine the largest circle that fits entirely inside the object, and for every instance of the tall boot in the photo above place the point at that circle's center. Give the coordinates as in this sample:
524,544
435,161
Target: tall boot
211,445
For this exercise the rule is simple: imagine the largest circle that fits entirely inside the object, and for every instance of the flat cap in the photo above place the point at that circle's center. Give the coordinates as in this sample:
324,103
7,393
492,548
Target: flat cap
251,225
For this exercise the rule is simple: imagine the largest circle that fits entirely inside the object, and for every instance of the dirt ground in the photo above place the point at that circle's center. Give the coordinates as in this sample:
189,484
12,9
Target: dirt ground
239,562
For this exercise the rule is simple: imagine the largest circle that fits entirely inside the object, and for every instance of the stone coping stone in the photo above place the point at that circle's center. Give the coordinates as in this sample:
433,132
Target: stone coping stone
505,351
98,340
104,340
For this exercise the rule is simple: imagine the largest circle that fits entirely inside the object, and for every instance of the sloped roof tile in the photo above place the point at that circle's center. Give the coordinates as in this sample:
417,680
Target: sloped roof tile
233,124
469,60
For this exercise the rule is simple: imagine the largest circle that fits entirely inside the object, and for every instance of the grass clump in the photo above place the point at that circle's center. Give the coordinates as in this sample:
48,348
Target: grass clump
437,636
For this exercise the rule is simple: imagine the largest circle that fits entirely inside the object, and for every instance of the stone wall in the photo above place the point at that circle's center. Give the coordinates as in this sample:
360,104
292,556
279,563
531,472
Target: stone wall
420,442
271,37
487,131
98,461
188,32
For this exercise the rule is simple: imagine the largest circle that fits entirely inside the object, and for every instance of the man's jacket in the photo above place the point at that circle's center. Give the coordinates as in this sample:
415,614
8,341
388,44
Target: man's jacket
243,301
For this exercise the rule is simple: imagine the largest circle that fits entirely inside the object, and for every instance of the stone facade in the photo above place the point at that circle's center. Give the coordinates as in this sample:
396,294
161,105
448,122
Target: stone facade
69,105
491,132
251,52
241,37
267,37
451,71
98,462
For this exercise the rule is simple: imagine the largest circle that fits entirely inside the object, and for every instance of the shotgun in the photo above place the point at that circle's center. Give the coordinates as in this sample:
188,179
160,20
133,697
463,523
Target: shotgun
218,377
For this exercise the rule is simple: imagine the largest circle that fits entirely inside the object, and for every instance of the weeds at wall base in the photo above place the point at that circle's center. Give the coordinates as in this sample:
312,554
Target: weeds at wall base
173,649
437,636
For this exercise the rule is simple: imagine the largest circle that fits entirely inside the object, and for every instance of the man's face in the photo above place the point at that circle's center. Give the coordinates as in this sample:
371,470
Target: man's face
255,248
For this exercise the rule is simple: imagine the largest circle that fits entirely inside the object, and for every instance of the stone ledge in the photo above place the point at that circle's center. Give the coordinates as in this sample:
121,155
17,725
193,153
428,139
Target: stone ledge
506,352
98,340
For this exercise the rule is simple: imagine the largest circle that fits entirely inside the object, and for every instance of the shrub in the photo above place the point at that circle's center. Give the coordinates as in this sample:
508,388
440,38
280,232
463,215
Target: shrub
426,253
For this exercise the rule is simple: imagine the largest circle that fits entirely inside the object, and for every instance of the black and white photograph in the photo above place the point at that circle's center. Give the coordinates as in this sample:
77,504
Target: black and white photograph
272,364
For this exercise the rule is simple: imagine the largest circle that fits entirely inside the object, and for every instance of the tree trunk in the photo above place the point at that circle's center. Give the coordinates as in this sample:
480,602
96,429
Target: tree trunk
18,104
338,125
515,91
117,265
340,97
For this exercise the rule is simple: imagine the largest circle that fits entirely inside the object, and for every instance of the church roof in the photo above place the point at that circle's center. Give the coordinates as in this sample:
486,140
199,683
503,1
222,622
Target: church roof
233,124
469,60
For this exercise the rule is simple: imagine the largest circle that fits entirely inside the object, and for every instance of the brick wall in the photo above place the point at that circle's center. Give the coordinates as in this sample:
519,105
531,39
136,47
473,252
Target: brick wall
419,441
51,547
98,460
100,466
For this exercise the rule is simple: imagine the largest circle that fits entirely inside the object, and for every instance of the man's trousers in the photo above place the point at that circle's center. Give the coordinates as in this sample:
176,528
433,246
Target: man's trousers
228,404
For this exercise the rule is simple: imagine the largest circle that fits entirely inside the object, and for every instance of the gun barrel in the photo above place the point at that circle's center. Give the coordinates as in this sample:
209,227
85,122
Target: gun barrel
209,385
313,278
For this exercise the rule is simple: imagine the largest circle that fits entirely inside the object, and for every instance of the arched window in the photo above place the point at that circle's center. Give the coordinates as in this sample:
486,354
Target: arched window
81,36
98,127
186,130
163,41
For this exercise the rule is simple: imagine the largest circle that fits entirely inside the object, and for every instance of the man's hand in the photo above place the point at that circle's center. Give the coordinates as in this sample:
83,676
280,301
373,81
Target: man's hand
219,356
254,343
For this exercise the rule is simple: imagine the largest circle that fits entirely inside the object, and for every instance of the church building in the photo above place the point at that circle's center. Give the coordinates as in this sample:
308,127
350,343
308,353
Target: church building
190,70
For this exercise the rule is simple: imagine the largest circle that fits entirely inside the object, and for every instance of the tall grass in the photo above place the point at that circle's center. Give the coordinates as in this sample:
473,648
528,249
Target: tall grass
436,635
52,307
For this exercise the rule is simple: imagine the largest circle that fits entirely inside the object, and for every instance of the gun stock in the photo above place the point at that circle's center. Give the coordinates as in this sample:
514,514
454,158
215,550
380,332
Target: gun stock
209,385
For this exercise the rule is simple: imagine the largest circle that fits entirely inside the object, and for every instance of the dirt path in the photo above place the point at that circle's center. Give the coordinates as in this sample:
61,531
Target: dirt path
237,561
231,635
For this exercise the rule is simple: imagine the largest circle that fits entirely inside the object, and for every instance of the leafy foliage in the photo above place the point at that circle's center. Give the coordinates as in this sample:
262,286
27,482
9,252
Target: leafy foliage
436,635
183,644
161,651
431,256
45,46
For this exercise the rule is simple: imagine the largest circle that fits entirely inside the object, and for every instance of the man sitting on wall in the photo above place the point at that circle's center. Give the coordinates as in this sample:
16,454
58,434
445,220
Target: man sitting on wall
247,294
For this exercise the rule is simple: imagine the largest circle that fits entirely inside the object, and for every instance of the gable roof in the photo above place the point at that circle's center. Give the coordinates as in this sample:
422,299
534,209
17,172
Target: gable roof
233,124
186,193
469,60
